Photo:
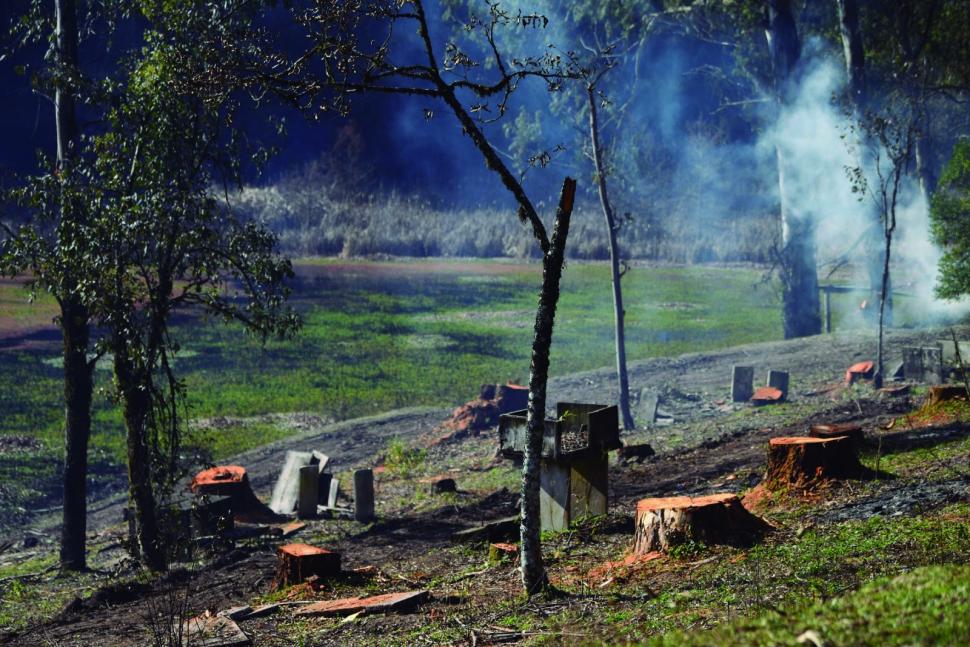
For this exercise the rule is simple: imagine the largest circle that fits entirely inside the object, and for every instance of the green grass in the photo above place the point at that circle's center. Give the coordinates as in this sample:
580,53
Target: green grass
738,590
928,606
380,336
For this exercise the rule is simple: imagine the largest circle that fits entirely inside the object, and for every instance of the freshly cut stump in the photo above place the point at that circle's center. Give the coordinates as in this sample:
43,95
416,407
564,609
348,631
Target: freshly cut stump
713,519
834,430
802,462
232,481
297,562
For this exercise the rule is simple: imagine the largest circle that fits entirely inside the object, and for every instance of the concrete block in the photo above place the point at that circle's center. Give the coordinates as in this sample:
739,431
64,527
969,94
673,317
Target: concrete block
742,383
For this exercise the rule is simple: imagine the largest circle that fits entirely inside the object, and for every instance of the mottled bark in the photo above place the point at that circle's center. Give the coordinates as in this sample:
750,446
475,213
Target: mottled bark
800,301
78,383
533,572
611,227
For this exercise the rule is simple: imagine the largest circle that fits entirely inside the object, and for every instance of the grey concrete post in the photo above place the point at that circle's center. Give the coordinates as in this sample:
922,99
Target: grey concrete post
364,495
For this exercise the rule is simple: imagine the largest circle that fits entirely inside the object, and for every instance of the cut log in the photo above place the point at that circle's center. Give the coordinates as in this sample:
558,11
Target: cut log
858,371
834,430
767,395
386,603
713,519
297,562
803,462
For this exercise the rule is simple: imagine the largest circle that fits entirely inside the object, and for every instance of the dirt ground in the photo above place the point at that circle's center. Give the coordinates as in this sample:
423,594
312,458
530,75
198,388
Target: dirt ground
712,445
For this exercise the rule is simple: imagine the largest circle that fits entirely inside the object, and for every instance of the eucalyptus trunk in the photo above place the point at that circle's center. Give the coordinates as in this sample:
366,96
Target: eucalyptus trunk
533,571
800,300
78,383
619,313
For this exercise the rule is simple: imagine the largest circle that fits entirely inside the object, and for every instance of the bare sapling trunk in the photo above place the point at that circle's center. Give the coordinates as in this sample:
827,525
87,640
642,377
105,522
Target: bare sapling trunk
78,383
533,572
618,312
877,380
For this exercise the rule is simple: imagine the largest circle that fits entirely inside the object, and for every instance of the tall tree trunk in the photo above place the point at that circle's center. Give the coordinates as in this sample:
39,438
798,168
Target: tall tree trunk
618,312
800,301
533,572
136,401
78,387
78,383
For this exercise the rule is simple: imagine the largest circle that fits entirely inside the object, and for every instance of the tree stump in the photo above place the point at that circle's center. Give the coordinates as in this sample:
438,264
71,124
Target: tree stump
834,430
803,462
232,481
295,563
713,519
945,393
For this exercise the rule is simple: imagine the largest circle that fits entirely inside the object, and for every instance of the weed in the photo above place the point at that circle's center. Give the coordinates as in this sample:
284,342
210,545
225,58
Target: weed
403,460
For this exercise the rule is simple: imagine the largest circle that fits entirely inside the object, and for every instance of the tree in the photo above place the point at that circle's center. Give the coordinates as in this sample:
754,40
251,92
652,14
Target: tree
950,215
800,309
52,250
165,243
891,136
616,274
356,45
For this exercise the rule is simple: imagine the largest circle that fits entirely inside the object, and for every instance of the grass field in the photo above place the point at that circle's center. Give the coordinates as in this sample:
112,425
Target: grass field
377,336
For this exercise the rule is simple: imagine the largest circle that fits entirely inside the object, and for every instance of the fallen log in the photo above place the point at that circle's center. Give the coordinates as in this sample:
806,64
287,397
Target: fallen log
713,519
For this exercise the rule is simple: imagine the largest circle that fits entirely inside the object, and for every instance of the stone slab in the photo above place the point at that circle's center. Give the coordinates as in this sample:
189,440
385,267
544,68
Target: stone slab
649,401
742,383
321,460
286,492
236,613
333,492
214,631
386,603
